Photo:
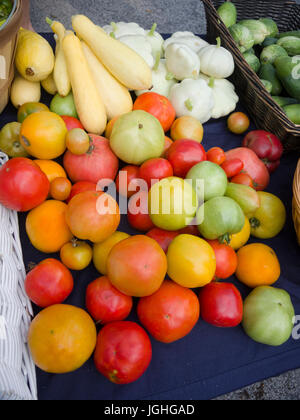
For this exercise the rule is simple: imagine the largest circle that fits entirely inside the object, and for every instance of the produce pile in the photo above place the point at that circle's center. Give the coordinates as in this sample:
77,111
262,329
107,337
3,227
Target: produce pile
194,209
274,56
6,7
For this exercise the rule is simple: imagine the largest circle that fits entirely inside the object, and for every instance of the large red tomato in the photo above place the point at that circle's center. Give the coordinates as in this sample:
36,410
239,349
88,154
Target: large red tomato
157,105
154,170
23,186
138,214
80,187
184,154
93,216
227,260
105,303
137,266
163,237
221,305
127,181
123,352
169,314
49,283
253,166
98,164
72,122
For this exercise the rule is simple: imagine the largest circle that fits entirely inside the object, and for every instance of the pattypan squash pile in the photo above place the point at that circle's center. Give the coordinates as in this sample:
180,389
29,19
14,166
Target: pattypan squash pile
185,68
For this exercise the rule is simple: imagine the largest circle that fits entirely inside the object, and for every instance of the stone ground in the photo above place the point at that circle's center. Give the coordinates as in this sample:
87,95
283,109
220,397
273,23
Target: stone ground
170,16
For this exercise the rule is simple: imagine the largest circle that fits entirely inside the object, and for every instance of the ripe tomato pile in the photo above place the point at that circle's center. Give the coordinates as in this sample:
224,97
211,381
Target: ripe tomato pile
177,263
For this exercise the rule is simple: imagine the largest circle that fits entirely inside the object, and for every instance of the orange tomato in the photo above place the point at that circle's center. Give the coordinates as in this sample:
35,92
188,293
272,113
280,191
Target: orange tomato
78,141
61,338
216,155
187,128
238,123
168,144
76,255
101,250
46,226
137,266
109,127
191,261
258,265
60,189
51,169
43,135
93,216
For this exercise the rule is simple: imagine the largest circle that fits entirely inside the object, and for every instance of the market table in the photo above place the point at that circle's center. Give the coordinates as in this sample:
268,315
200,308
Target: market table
210,361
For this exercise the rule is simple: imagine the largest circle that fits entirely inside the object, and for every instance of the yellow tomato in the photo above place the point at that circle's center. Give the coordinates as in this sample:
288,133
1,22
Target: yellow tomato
191,261
110,127
62,338
187,128
51,169
258,265
76,255
43,135
101,250
240,239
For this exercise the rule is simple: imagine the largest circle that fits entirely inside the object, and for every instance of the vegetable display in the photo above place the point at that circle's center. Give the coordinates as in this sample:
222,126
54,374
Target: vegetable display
125,129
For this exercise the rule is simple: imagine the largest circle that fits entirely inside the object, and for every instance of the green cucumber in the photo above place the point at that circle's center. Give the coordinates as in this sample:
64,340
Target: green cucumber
267,84
269,41
290,33
288,72
268,72
293,113
291,44
228,13
282,101
271,27
257,28
253,61
269,54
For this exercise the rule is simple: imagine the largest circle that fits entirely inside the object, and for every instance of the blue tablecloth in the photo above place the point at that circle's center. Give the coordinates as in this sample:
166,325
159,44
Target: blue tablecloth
210,361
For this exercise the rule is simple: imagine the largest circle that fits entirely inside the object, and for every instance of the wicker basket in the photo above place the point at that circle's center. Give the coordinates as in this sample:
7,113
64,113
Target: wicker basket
8,42
265,112
296,201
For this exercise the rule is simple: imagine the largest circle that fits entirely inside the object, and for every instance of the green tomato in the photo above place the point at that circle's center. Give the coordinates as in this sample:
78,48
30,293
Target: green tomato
247,198
219,218
10,141
64,105
137,137
173,204
269,220
30,108
268,316
214,180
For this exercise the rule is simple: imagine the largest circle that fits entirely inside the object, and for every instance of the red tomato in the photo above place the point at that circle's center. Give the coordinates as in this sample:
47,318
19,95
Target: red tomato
184,154
138,214
80,187
168,144
49,283
216,155
221,305
190,230
72,122
243,179
123,352
157,105
137,266
169,314
232,167
127,181
23,186
253,166
105,303
267,146
162,237
227,260
155,170
98,164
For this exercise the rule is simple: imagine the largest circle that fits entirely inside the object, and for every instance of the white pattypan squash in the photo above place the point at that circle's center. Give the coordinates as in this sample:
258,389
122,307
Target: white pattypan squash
216,61
141,45
156,41
182,62
192,41
119,29
193,98
224,94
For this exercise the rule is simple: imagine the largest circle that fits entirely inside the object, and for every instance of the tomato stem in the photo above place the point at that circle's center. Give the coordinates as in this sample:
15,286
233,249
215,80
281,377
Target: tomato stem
255,223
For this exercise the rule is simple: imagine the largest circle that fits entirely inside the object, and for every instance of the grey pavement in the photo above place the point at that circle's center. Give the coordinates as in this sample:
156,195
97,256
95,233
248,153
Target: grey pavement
170,16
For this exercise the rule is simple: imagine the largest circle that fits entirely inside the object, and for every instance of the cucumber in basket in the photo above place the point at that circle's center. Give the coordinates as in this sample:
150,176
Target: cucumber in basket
291,44
252,60
282,101
268,72
290,33
228,13
271,53
267,84
269,41
293,113
288,72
